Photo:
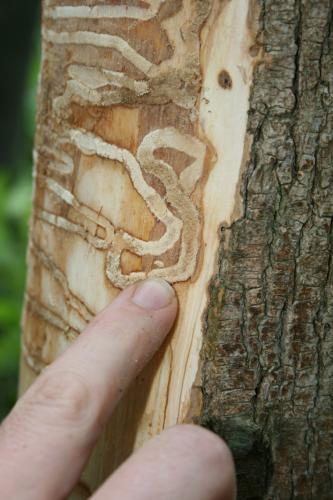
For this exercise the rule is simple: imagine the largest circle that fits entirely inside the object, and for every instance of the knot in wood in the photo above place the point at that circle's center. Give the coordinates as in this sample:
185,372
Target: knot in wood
225,80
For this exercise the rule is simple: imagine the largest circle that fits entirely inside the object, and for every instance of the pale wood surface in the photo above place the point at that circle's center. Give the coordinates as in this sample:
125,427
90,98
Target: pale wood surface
140,147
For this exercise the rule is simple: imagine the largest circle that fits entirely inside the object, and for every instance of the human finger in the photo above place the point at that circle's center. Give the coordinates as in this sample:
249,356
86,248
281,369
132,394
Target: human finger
48,437
185,462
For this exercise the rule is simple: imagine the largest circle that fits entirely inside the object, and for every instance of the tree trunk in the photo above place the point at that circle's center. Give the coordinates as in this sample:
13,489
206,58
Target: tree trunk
193,140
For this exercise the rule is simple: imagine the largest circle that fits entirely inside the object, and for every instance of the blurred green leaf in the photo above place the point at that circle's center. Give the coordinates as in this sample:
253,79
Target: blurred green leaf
15,209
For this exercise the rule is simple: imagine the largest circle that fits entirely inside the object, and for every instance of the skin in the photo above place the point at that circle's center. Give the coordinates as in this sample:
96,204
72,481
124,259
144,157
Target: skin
48,437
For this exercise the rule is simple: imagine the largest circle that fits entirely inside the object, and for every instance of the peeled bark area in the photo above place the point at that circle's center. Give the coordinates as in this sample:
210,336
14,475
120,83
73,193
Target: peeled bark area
192,140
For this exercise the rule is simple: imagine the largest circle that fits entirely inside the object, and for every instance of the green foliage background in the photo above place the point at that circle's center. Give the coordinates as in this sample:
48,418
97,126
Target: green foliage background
15,207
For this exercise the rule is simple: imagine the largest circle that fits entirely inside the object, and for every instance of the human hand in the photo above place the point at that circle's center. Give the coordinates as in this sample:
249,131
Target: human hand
48,437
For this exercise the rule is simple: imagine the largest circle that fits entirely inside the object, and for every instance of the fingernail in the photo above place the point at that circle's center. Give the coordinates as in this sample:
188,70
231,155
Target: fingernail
153,294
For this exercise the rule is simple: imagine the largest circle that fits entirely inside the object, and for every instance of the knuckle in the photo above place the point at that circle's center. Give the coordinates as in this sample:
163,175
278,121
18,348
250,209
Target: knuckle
63,396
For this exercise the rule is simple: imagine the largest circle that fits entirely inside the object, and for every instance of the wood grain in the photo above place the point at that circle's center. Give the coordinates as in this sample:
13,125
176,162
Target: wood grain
139,149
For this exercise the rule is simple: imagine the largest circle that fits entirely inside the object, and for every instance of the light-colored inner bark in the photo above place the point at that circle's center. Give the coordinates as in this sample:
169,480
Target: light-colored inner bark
134,177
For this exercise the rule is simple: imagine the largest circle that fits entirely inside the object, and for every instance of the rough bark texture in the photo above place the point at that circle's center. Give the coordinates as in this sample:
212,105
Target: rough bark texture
268,370
141,137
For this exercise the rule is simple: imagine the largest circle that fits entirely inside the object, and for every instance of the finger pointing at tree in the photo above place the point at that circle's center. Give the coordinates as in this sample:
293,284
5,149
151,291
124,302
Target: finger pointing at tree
50,434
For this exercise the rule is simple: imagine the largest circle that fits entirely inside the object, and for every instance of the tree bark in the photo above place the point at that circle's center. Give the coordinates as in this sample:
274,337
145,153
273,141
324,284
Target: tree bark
193,140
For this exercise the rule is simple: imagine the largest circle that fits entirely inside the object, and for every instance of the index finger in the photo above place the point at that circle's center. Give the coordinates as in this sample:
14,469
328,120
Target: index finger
52,429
